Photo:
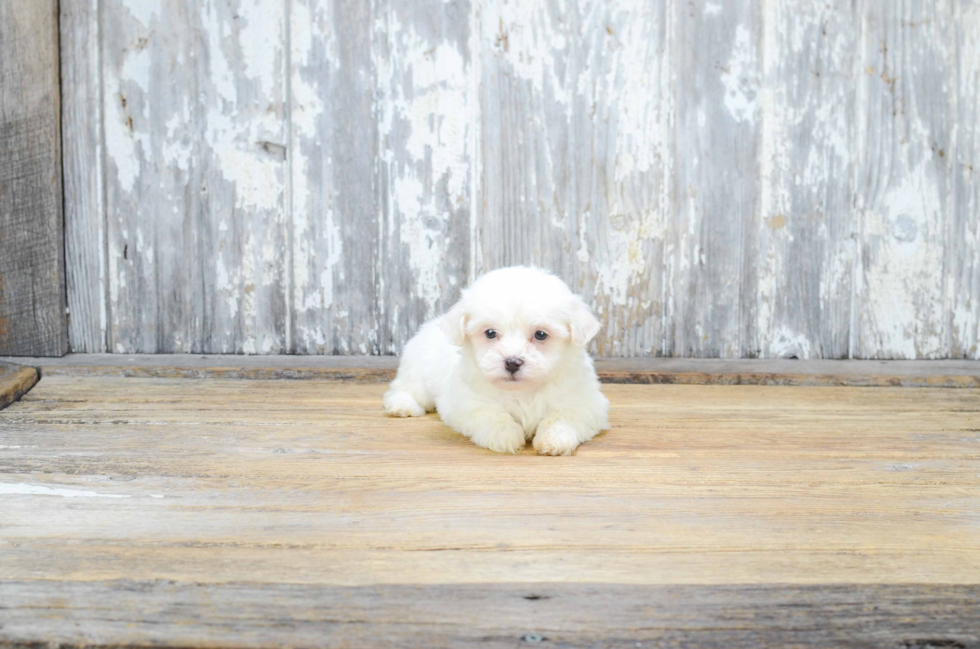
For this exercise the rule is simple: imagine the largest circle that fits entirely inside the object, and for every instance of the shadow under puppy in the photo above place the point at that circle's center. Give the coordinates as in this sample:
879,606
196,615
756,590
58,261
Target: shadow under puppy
507,365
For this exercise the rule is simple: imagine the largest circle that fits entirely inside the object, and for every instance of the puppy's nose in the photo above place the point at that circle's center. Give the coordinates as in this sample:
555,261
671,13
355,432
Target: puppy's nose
513,364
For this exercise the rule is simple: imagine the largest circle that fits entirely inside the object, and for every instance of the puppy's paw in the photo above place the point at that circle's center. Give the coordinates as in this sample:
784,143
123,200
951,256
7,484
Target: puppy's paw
399,403
502,436
556,438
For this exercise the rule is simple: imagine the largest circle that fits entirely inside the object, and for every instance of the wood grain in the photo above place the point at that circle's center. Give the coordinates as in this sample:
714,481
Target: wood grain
962,308
32,253
321,176
904,185
805,230
333,166
167,614
307,482
576,154
712,279
158,512
194,100
84,180
15,382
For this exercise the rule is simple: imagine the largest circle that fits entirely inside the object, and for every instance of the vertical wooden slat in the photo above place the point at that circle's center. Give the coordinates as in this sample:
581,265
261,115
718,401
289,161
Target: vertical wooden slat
81,123
32,259
963,255
806,229
334,166
904,180
195,113
575,141
425,122
712,275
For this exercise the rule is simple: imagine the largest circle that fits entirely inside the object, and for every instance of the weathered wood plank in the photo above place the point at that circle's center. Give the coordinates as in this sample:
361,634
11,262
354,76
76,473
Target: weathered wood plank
308,482
806,224
32,253
369,369
575,164
15,381
712,278
333,168
153,613
426,129
85,224
904,183
195,103
962,305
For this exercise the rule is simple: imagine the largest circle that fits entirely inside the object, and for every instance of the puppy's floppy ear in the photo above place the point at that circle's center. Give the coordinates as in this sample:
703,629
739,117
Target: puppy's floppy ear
454,324
581,323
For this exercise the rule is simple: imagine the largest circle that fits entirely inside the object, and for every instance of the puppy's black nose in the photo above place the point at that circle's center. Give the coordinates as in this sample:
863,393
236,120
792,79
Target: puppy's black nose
513,364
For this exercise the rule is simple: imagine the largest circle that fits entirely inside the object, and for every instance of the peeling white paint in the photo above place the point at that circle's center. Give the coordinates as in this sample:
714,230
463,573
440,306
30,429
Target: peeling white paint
434,110
21,489
740,77
143,10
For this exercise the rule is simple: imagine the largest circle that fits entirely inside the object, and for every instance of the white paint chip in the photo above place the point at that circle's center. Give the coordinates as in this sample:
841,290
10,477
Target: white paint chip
21,489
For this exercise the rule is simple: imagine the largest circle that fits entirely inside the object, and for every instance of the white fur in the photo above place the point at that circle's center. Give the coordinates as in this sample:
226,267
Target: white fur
452,367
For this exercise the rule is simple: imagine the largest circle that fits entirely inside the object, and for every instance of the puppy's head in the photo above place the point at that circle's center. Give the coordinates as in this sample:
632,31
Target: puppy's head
517,324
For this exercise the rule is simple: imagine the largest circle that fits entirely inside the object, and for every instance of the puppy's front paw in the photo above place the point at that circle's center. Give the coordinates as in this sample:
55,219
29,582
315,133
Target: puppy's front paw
556,438
502,436
399,403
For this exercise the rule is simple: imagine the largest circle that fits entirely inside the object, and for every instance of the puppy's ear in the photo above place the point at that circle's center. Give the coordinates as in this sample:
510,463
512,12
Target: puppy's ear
454,324
581,323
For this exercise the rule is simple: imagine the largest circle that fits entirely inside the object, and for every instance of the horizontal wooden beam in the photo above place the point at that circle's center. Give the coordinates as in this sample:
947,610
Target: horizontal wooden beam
143,613
854,373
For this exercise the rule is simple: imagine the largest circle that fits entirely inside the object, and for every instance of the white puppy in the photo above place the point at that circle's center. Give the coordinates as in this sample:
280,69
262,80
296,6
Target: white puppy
507,364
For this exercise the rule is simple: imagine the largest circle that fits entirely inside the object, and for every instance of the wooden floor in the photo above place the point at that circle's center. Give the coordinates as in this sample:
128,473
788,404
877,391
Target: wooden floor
184,512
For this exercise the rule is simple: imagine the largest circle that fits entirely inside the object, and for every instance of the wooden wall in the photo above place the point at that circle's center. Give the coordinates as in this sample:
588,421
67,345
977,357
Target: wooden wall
719,177
32,258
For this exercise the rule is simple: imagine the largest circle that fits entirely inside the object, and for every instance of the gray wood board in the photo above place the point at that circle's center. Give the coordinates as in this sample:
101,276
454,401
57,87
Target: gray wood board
611,370
32,259
85,225
322,176
176,614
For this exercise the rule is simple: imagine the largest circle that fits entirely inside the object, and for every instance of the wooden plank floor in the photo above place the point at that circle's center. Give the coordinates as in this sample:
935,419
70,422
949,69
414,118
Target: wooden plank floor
185,512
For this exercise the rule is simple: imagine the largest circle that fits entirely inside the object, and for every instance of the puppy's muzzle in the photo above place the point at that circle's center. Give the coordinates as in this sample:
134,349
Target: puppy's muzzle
513,364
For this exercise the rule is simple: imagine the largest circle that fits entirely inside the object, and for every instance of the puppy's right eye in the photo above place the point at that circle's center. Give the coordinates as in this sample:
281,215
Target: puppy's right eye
490,333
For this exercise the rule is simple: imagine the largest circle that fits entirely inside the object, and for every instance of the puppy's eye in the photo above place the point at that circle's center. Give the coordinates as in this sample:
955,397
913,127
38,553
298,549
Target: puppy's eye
490,333
540,335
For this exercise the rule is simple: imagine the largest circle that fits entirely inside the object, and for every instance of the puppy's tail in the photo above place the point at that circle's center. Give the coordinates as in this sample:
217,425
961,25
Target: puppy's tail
399,403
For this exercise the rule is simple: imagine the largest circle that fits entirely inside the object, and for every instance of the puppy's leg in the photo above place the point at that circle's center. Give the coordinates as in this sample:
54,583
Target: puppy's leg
401,403
560,433
486,425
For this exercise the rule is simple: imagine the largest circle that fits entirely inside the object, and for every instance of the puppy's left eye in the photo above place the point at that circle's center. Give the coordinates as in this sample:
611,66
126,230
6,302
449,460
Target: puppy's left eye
540,335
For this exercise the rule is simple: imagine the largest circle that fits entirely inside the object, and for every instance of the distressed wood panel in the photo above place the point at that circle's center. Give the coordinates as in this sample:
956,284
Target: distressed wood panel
32,257
575,155
712,280
423,62
806,228
904,186
307,482
81,124
490,616
962,308
335,208
195,103
321,176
